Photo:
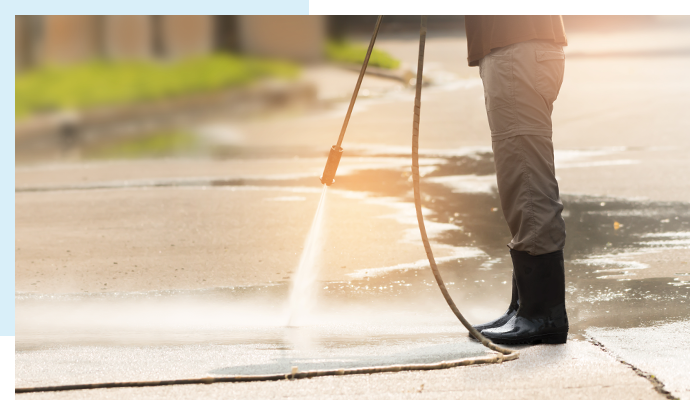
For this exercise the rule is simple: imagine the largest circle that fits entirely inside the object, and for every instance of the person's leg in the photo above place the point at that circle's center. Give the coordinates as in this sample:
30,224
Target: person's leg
531,205
529,194
532,208
521,82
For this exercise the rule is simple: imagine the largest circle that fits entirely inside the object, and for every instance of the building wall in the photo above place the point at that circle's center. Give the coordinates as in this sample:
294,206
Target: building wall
186,35
65,39
21,47
128,37
71,38
296,37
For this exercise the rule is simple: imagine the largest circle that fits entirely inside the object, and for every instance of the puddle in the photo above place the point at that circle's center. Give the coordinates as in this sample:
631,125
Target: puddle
604,237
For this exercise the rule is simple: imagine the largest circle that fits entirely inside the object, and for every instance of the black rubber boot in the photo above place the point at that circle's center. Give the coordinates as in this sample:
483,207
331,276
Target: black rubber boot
541,317
500,321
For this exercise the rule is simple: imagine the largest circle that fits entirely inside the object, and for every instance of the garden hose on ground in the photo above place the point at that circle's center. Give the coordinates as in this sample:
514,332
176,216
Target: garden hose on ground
509,354
502,354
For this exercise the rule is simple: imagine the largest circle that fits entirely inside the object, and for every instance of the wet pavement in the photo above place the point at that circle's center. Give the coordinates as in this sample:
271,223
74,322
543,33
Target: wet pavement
165,269
388,313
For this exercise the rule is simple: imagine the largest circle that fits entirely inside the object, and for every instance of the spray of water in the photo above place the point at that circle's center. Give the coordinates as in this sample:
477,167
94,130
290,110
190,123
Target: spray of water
303,289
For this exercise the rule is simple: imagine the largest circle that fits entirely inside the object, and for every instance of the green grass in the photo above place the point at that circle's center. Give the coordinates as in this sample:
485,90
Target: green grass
158,144
346,52
101,83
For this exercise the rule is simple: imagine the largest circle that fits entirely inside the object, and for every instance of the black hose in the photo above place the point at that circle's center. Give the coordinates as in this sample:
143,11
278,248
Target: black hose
359,81
511,354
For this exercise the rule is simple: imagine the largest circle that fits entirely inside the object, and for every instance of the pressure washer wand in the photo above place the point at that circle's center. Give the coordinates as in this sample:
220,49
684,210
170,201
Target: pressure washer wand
328,176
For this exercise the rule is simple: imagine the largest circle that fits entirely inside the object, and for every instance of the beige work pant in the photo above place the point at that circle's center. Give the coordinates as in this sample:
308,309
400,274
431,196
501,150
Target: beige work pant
521,82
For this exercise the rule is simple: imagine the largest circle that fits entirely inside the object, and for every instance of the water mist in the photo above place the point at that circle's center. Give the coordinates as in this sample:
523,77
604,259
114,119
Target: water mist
303,288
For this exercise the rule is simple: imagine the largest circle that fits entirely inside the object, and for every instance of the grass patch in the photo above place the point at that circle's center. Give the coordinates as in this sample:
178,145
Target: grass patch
101,83
159,144
346,52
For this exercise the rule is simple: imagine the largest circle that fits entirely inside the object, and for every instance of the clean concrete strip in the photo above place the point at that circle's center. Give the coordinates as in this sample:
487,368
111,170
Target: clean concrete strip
659,352
577,370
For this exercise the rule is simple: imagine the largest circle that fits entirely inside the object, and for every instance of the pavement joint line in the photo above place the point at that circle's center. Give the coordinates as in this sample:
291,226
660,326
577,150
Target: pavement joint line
155,183
135,184
245,182
658,385
495,358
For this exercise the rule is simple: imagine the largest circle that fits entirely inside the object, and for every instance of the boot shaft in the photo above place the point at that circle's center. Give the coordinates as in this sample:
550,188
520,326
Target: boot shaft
540,284
515,297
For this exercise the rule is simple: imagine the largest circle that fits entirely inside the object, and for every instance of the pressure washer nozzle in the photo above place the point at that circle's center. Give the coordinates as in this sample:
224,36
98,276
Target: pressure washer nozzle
328,176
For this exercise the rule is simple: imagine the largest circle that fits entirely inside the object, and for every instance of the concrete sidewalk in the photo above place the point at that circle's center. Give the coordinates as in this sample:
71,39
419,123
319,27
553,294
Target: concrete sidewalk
574,371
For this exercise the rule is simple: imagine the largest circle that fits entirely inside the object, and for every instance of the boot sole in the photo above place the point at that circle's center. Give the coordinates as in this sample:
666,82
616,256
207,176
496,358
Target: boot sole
552,338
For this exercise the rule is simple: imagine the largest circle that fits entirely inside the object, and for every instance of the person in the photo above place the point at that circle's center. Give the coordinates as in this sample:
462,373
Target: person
521,64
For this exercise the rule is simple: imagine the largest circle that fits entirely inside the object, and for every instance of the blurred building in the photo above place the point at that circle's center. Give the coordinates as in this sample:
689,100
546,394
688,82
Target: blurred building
127,36
41,39
64,39
286,36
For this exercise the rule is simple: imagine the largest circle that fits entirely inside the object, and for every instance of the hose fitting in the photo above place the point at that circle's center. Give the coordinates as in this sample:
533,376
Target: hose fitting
328,176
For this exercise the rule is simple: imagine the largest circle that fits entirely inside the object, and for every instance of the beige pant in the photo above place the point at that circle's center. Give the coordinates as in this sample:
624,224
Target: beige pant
521,82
